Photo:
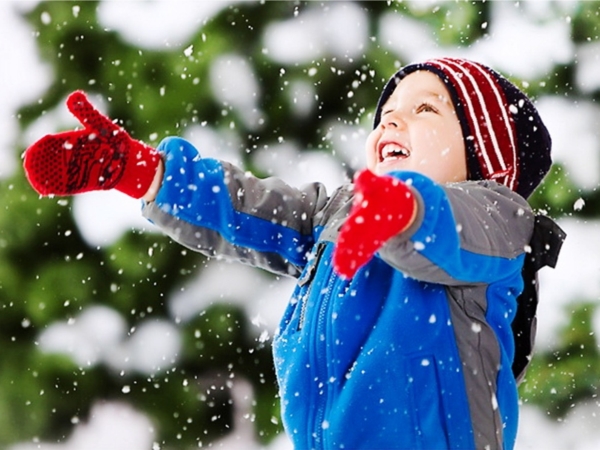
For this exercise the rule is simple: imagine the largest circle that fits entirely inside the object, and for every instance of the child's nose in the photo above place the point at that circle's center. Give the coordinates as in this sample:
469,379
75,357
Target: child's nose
392,120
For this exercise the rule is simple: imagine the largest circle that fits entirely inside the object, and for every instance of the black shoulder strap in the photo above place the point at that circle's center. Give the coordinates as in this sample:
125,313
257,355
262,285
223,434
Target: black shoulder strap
545,245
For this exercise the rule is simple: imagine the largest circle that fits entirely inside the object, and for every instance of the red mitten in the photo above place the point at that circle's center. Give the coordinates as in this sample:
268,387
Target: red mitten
383,206
101,156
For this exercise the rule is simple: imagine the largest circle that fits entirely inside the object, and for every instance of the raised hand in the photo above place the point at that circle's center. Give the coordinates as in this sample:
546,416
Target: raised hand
101,156
383,206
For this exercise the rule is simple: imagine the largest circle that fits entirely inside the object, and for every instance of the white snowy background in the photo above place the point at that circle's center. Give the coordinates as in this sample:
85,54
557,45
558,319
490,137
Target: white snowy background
99,334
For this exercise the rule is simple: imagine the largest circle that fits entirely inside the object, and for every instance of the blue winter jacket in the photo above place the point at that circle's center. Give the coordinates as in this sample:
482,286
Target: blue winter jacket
415,351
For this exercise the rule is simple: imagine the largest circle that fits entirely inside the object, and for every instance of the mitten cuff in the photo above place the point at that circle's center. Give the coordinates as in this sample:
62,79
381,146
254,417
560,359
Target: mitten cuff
140,169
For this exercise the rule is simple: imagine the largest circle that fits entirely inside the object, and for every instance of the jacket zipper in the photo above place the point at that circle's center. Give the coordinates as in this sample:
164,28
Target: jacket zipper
320,348
307,279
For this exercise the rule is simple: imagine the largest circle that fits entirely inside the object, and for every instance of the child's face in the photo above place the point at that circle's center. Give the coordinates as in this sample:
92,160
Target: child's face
419,131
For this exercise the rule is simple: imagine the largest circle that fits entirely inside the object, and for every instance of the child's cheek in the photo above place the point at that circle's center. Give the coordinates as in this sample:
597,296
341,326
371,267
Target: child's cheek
371,149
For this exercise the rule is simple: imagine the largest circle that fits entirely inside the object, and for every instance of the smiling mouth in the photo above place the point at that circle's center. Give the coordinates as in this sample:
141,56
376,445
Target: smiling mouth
392,151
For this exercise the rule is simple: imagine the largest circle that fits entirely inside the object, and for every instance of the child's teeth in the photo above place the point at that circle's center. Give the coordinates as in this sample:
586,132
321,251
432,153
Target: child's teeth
393,151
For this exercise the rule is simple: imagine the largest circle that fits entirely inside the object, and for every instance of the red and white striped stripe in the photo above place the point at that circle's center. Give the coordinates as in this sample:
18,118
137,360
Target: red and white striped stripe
486,109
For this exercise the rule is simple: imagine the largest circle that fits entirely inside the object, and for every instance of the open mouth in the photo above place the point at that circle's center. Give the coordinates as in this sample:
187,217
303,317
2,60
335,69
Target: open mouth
391,150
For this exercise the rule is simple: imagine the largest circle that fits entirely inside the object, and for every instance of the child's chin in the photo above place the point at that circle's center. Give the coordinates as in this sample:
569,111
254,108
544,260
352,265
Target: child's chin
387,167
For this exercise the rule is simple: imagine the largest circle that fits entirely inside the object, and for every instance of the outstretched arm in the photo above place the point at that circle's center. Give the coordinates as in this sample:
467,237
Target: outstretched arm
466,233
217,209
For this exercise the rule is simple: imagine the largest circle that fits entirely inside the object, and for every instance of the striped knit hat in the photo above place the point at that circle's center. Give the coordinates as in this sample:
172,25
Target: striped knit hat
505,138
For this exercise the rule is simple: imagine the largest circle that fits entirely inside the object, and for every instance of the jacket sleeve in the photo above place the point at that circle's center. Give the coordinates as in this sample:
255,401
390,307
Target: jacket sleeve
465,233
216,209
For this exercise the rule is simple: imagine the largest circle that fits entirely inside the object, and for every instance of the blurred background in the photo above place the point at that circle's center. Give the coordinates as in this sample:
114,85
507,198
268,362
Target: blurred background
113,337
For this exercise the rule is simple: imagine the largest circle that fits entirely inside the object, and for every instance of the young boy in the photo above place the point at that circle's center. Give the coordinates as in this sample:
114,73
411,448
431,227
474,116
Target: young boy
398,334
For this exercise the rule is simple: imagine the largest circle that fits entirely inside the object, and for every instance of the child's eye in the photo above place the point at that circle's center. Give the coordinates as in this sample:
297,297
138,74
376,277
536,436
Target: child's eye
426,107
